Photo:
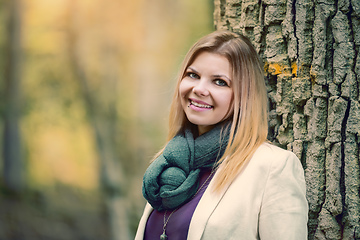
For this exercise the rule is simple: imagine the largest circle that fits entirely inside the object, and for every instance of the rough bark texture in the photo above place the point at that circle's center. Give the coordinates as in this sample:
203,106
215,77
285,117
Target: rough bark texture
312,64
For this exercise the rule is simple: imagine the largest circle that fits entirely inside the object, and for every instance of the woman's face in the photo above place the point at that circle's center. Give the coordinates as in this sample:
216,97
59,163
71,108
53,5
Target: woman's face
206,91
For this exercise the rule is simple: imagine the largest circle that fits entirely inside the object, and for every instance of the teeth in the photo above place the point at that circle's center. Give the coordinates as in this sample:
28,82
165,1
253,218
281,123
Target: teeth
200,105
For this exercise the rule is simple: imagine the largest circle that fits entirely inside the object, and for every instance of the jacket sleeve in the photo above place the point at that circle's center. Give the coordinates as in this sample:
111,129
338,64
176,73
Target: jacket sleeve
284,209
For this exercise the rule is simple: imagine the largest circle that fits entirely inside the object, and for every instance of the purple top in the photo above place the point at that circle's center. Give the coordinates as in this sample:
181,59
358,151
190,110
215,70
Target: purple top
178,225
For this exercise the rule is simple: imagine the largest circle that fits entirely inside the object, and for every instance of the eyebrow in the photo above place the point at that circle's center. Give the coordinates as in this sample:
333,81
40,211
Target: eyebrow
216,76
222,76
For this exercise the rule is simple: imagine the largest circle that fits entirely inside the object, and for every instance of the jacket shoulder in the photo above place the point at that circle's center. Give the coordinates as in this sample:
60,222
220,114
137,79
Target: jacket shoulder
270,152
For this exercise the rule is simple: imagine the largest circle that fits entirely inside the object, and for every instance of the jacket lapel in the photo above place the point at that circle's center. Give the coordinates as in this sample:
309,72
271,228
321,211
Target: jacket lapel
203,211
142,224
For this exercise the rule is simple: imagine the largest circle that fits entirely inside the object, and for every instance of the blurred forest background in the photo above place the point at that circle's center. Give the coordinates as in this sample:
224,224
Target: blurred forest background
85,87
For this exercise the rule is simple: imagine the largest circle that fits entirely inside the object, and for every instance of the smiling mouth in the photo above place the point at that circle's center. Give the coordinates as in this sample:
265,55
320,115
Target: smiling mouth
199,105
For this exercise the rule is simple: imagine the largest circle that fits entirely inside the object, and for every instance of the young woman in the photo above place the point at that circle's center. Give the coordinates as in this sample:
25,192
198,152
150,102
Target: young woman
217,178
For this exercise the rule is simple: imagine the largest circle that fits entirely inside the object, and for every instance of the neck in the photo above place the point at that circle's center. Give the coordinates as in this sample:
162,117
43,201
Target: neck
204,129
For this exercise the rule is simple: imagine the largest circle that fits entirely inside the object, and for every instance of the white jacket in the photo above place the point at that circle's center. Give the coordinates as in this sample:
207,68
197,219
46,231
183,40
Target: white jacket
266,201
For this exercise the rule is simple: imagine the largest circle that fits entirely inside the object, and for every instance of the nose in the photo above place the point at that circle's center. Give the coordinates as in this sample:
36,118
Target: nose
201,88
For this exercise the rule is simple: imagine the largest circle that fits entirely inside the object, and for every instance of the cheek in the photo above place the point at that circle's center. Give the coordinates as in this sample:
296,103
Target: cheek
229,100
183,89
229,105
182,94
232,101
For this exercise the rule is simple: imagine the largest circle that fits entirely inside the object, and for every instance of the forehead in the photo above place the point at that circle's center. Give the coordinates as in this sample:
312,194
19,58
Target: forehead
208,61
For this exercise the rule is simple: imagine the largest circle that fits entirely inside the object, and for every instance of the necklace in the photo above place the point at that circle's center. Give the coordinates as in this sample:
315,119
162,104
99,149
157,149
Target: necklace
163,236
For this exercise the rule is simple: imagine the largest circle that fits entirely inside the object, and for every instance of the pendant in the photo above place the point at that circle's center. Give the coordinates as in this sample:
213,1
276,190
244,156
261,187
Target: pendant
163,236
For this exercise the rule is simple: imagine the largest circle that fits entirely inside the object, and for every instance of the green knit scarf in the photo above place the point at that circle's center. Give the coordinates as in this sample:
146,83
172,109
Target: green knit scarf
172,179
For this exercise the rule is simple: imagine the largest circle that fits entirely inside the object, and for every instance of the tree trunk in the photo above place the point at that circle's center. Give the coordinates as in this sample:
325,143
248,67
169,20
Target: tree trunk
312,65
13,162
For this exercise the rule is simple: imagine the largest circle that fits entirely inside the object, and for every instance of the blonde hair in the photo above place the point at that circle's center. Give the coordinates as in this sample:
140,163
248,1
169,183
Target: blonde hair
249,127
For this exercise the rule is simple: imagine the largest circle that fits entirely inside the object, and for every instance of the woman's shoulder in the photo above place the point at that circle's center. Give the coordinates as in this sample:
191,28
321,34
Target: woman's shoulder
270,154
276,164
269,148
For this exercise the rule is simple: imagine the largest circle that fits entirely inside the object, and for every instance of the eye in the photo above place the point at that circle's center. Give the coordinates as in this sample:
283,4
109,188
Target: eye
220,82
192,75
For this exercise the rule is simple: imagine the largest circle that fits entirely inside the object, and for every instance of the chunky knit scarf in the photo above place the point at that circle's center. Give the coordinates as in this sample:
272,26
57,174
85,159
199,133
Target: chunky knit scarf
172,179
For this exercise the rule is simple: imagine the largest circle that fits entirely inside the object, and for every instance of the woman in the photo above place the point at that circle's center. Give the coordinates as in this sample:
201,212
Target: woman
217,178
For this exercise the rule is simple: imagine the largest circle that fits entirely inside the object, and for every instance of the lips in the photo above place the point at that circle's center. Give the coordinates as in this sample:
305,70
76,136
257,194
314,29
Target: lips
200,104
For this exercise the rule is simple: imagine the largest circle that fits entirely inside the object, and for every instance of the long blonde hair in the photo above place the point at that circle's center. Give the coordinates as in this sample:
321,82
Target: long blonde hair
249,127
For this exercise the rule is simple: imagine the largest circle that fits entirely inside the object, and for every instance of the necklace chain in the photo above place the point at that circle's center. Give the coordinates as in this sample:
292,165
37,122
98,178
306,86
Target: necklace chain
166,221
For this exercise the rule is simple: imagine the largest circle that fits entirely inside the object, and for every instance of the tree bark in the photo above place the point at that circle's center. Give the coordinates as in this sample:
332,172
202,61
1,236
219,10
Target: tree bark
13,162
311,56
